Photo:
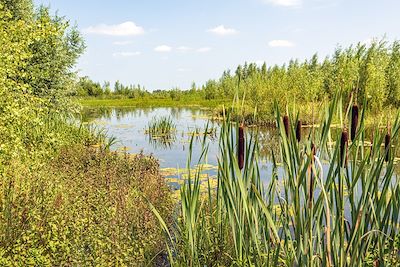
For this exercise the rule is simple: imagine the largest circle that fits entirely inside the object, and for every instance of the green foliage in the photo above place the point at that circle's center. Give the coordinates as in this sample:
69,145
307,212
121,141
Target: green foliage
36,57
364,71
19,9
84,207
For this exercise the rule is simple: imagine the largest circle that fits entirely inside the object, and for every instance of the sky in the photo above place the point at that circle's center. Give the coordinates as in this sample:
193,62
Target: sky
163,44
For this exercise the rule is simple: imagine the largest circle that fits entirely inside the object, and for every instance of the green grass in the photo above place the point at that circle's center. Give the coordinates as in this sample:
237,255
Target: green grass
264,114
148,102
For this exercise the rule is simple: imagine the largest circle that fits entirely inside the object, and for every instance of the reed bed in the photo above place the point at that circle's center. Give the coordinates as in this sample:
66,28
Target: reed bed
326,202
163,125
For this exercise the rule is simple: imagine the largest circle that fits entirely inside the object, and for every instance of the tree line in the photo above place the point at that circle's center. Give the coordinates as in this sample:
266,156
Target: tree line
367,71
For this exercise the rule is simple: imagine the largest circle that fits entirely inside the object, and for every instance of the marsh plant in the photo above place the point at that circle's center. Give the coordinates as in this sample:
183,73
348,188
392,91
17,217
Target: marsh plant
330,200
163,125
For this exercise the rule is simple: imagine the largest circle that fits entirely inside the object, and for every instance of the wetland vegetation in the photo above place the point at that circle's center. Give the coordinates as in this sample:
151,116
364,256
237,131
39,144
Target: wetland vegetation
138,178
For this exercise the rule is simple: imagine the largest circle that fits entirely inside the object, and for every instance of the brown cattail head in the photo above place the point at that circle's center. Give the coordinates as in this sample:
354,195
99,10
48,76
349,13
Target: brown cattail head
311,182
298,131
241,148
344,140
387,146
286,124
354,121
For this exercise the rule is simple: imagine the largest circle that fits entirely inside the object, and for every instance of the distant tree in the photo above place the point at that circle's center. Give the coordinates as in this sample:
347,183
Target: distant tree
107,88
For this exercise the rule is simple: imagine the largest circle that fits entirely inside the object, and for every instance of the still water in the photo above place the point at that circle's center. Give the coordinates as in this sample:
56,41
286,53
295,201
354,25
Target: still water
129,127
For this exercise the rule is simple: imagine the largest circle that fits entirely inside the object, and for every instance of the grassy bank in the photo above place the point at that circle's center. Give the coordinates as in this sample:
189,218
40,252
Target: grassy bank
150,102
242,111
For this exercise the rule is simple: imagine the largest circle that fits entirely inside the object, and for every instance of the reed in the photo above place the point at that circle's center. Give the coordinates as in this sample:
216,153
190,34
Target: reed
354,121
161,126
344,143
286,124
352,217
298,131
387,145
241,147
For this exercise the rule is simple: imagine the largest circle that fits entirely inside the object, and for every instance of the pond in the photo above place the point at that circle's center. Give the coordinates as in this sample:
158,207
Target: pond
129,125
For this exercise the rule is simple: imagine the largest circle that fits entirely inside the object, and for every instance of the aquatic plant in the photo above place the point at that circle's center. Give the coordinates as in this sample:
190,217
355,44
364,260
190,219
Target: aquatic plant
317,209
161,126
354,121
298,131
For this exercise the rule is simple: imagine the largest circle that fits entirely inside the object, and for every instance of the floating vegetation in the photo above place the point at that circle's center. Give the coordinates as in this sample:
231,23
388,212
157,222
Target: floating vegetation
124,126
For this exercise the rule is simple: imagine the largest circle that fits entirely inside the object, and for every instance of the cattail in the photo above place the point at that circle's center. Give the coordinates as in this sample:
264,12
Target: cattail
286,124
298,131
387,146
343,147
354,121
311,185
241,148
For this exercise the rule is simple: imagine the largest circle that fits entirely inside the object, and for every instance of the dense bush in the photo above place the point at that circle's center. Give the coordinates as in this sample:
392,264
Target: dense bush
85,207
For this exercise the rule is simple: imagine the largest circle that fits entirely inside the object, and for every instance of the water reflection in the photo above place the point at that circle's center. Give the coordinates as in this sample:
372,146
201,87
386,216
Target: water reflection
128,126
165,141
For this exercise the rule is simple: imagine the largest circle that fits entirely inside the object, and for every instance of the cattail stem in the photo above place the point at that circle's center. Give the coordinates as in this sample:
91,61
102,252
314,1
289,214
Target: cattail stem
387,146
241,147
298,131
286,124
354,122
344,139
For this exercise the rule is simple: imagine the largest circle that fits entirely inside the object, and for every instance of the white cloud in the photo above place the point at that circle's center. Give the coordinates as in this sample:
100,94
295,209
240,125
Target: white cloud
127,54
203,49
285,3
184,48
128,28
123,43
222,30
281,43
163,48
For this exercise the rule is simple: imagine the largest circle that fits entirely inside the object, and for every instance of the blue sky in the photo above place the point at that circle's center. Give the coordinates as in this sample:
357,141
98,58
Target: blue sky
162,44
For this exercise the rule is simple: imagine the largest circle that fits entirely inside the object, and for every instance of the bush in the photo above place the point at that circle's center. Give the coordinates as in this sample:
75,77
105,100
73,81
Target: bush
85,207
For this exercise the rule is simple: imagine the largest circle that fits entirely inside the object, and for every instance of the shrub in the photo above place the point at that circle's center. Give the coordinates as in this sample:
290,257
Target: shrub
85,207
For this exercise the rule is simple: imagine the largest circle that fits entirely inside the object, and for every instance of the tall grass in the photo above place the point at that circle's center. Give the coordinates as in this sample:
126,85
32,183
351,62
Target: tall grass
315,209
161,126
